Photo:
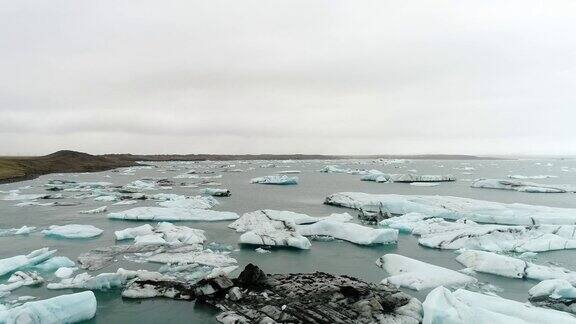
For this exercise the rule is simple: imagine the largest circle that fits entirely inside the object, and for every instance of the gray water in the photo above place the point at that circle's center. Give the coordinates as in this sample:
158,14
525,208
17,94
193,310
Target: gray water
306,197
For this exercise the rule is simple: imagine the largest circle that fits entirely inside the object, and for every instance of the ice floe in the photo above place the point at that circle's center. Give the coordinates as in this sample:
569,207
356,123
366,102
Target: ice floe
19,279
276,180
521,186
350,232
70,308
24,230
216,192
163,233
414,274
172,214
488,262
406,178
73,231
18,262
54,263
94,211
463,306
557,294
454,208
197,202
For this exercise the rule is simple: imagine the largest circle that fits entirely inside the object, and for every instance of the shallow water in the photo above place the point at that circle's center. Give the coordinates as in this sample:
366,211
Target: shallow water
306,197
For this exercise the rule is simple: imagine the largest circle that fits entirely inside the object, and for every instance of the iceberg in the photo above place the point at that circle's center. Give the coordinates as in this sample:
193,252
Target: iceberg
350,232
104,281
64,272
463,306
276,180
417,275
270,236
518,176
454,208
70,308
94,211
163,233
557,294
54,263
406,178
216,192
510,267
207,257
17,196
24,230
18,262
19,279
521,186
73,231
172,214
198,202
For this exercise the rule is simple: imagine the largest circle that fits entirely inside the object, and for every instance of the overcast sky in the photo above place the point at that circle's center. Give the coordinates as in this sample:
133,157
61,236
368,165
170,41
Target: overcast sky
331,77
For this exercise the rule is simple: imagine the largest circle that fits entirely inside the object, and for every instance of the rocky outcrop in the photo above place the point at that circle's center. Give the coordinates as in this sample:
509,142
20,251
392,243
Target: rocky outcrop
311,298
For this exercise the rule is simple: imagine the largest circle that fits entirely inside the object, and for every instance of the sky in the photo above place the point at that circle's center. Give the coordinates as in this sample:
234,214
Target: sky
479,77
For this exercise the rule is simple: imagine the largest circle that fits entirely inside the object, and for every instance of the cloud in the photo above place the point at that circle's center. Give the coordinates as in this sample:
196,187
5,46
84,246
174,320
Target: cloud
479,77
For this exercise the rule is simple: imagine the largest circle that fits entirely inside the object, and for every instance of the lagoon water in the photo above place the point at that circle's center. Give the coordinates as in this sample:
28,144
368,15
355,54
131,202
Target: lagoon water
306,197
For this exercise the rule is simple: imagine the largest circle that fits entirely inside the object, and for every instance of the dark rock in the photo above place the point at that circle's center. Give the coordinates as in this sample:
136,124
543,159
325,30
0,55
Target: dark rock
251,277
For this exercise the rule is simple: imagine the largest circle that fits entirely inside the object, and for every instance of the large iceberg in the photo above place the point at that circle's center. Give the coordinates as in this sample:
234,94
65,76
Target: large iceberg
414,274
406,178
197,202
350,232
20,261
172,214
521,186
463,306
70,308
510,267
454,208
73,231
276,180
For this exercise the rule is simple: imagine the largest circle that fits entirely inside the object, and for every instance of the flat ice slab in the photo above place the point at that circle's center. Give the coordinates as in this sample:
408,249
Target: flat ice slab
414,274
73,231
276,180
522,186
350,232
70,308
172,214
454,208
463,306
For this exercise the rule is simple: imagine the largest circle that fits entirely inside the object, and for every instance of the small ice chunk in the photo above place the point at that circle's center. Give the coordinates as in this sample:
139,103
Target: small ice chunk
276,180
94,211
64,272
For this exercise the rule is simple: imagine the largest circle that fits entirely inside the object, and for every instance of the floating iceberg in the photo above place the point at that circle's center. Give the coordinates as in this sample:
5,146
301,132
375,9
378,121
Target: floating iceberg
24,230
276,180
73,231
70,308
103,281
406,178
557,294
517,176
64,272
197,202
510,267
207,257
19,279
350,232
172,214
17,196
20,261
463,306
521,186
54,263
217,192
94,211
163,233
268,235
414,274
454,208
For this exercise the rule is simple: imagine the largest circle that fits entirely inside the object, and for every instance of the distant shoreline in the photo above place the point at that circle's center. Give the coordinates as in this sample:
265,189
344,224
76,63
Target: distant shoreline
15,169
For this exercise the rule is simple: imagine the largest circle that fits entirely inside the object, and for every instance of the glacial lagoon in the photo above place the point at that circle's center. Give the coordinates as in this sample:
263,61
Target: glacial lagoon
307,197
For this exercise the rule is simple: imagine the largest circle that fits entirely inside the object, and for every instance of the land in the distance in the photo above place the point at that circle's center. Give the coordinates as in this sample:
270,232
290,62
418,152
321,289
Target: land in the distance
14,169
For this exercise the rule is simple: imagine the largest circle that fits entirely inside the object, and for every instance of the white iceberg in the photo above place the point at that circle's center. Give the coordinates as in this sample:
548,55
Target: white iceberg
518,176
24,230
510,267
463,306
73,231
20,261
163,233
64,272
521,186
206,257
133,232
276,180
417,275
197,202
17,196
172,214
406,178
19,279
454,208
94,211
350,232
70,308
553,288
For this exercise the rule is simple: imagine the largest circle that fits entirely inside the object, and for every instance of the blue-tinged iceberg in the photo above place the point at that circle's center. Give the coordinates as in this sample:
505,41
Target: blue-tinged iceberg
18,262
73,231
172,214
